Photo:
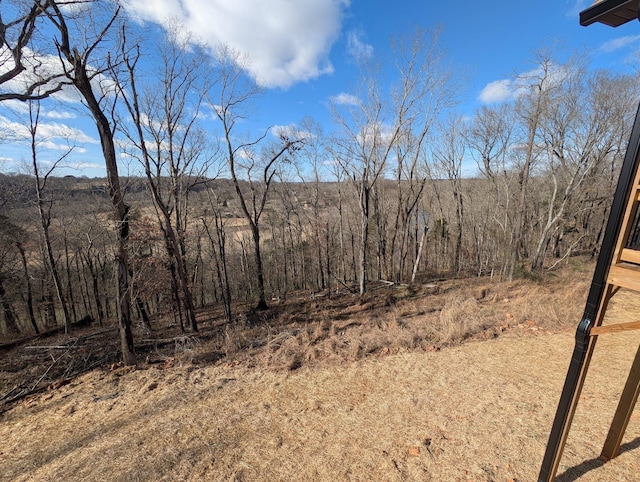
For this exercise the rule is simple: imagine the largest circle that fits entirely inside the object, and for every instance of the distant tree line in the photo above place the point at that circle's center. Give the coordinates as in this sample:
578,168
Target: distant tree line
216,215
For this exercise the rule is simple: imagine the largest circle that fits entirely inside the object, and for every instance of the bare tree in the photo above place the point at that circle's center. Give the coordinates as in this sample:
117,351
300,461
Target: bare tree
29,293
374,130
251,159
77,46
9,235
580,133
169,143
315,152
218,241
448,159
541,84
489,139
425,89
618,95
44,205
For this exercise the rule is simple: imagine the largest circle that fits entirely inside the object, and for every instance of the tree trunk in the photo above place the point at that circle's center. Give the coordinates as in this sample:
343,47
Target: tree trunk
218,247
120,208
25,269
262,301
175,254
457,194
54,272
419,255
364,236
82,283
9,315
45,221
143,313
96,290
78,74
72,302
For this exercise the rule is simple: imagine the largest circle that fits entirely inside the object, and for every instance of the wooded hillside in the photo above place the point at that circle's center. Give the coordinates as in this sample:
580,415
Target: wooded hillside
399,187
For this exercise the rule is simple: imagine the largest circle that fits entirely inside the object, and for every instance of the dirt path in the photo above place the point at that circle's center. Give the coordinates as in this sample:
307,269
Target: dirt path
481,411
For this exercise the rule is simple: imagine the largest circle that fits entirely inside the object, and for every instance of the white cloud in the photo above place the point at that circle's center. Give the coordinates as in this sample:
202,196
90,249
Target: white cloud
56,114
209,112
576,7
63,131
20,107
53,146
379,134
13,130
38,67
47,133
510,89
16,106
345,99
74,8
618,43
88,165
127,156
291,132
286,42
56,146
497,91
358,49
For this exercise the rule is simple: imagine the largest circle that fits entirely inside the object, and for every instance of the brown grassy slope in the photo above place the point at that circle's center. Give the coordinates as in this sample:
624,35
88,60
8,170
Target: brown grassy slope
478,411
307,330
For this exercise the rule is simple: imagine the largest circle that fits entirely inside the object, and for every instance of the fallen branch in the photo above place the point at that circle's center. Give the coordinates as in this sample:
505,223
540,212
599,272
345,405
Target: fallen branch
144,344
343,284
45,334
44,374
6,395
57,383
73,343
51,347
91,335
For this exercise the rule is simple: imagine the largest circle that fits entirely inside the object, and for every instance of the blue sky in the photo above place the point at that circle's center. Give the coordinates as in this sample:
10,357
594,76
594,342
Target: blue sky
304,53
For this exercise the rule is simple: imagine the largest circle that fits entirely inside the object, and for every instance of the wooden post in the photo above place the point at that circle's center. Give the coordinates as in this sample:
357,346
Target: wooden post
623,413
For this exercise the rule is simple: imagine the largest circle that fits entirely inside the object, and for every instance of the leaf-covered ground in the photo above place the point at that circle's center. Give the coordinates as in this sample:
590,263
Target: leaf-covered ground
477,409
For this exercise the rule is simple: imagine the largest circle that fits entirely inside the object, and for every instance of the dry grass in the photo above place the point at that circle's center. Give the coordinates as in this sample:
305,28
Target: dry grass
474,412
377,389
398,319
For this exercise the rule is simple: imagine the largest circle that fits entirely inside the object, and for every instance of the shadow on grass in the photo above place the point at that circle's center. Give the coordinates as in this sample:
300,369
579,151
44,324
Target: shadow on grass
574,473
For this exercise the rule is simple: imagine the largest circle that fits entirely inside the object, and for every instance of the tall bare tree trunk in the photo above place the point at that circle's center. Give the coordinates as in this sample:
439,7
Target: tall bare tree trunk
44,213
27,278
364,237
78,74
419,255
9,315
